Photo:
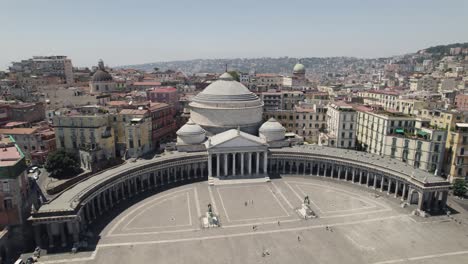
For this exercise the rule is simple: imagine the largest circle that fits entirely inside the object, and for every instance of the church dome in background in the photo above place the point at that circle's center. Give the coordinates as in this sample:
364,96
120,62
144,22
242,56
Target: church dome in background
101,75
299,68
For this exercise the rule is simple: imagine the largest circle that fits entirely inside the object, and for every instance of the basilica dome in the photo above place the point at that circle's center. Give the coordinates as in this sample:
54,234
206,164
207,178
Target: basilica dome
226,104
272,130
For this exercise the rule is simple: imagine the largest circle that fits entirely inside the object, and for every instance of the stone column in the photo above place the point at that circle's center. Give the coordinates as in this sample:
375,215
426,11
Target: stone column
318,169
111,192
389,186
242,164
63,238
346,174
397,187
443,202
217,165
135,189
37,235
403,193
129,191
93,206
88,212
210,166
50,235
258,162
76,231
410,193
234,164
225,164
360,177
98,200
375,181
249,156
420,200
104,200
368,179
265,162
122,190
382,181
353,175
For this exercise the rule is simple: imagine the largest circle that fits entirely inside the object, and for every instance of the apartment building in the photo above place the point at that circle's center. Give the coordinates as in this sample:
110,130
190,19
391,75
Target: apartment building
14,184
424,149
89,135
374,123
341,126
45,66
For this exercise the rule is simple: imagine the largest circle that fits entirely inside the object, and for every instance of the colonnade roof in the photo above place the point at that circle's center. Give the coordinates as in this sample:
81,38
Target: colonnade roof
368,159
66,200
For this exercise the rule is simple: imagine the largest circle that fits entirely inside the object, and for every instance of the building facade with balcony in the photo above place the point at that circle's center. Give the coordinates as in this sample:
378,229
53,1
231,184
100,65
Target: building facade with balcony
90,136
14,184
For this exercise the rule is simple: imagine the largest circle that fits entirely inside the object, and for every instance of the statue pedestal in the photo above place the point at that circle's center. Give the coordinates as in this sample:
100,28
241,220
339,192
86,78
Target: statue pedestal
210,220
306,212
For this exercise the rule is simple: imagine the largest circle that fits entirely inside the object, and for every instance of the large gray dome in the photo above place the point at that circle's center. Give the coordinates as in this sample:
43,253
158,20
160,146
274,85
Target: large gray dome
225,89
226,104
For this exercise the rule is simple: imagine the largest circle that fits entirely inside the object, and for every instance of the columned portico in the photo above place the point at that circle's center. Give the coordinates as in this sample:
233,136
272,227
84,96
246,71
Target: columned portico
245,155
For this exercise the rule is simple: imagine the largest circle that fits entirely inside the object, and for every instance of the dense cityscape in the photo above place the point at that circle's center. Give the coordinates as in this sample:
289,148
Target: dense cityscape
62,126
247,132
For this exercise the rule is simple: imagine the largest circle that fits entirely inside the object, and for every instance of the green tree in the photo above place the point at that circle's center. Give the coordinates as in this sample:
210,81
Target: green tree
61,164
459,187
235,75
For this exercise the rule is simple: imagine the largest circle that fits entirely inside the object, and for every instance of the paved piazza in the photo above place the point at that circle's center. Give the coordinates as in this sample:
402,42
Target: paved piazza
363,227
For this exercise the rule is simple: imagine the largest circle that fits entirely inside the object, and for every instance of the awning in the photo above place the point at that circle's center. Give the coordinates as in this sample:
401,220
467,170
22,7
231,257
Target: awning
399,131
422,133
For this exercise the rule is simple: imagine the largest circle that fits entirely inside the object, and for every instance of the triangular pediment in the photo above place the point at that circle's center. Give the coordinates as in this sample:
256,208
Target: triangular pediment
234,139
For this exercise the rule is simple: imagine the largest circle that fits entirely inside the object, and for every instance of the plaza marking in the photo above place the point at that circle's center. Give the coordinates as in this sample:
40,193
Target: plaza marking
197,202
155,242
282,195
355,243
212,199
262,223
189,210
250,219
299,197
344,196
141,206
455,253
126,228
155,232
344,191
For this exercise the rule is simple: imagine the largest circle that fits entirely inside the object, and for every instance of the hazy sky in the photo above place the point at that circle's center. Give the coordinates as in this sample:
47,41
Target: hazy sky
139,31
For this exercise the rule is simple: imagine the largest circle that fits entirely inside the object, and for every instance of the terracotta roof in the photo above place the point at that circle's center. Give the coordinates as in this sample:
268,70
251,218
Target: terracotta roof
147,83
18,131
164,90
133,112
9,156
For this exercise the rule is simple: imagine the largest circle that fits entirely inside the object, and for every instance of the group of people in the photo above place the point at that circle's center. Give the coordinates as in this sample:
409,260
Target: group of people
248,202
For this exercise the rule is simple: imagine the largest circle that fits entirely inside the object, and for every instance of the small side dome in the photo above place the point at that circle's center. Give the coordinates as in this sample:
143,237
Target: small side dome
272,130
190,133
299,68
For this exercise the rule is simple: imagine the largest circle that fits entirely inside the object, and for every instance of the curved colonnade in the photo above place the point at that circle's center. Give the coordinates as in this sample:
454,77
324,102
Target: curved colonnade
63,219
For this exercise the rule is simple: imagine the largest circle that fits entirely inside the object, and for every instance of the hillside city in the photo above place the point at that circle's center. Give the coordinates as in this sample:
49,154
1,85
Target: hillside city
61,124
